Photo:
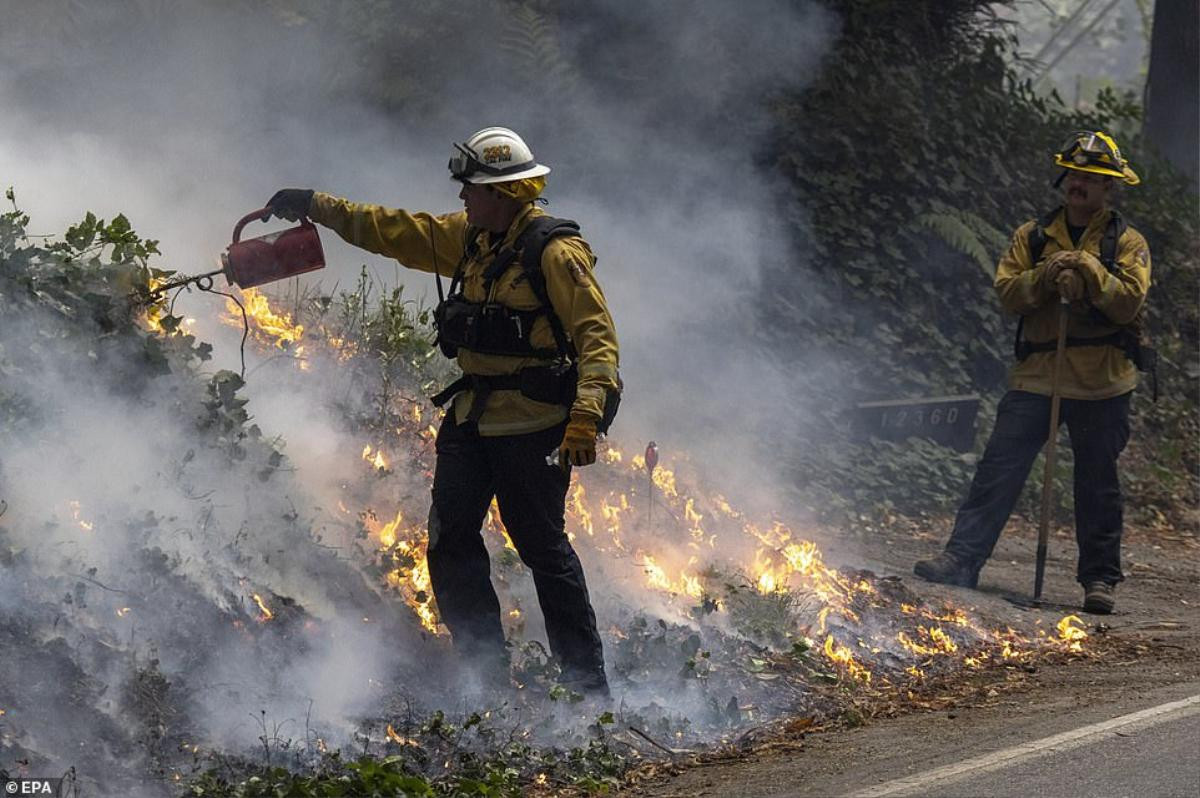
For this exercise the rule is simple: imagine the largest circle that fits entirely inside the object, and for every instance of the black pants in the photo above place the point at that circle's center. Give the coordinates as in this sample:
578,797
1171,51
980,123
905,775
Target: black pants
531,495
1099,431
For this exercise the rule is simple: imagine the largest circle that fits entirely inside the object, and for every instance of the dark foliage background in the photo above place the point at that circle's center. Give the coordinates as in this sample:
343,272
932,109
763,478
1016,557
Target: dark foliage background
900,167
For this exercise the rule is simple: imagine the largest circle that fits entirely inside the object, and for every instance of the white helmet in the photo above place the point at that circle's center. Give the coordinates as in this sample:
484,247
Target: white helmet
494,155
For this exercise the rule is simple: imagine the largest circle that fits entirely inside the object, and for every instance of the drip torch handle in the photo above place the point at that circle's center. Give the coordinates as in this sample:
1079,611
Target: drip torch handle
262,215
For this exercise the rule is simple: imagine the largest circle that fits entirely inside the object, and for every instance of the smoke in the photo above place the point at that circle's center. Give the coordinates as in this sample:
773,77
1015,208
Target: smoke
186,116
652,118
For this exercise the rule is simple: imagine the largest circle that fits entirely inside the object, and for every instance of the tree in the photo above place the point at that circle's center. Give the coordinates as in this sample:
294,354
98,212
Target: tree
1173,89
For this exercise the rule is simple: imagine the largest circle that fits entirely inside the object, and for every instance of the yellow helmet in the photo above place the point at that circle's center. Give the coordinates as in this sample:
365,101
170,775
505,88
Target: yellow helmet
1095,152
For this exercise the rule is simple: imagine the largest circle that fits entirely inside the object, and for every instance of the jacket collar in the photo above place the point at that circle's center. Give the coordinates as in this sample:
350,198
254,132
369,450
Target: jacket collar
485,241
1095,228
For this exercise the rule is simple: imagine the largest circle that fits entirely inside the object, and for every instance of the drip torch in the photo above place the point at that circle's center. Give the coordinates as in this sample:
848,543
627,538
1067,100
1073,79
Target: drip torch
256,261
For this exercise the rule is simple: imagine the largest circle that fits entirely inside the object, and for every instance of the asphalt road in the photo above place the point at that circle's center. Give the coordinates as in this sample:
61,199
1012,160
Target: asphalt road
1162,761
1154,752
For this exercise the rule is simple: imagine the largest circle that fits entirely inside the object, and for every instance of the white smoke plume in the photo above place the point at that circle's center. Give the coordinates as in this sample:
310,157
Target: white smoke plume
186,116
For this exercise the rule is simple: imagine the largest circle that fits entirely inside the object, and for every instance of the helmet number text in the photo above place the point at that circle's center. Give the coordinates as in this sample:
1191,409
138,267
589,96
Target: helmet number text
500,152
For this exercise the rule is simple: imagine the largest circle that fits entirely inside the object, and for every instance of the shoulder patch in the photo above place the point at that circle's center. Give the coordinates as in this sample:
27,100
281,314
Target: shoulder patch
578,273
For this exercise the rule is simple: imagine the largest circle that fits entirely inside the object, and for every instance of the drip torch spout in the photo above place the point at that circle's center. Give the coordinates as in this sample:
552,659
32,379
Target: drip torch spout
202,281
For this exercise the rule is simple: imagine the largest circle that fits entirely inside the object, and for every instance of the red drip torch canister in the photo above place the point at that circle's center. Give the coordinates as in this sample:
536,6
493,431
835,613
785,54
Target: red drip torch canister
275,256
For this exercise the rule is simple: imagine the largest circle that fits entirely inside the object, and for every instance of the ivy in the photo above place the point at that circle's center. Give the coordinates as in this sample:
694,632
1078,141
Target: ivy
83,300
914,182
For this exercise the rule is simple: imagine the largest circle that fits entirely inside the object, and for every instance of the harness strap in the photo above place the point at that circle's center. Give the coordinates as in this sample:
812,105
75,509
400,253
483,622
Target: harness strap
551,384
539,233
446,394
1027,348
1144,358
540,383
1037,245
482,388
529,246
1108,245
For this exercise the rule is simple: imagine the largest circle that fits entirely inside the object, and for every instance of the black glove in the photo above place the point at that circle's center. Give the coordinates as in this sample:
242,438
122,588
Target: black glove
290,203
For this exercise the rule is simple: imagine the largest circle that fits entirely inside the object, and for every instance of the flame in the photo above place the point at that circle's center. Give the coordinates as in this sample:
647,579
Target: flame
387,535
770,576
657,577
266,614
579,509
400,739
154,313
278,328
403,544
665,480
377,460
611,513
934,642
153,321
724,507
658,526
1071,634
86,526
842,656
767,583
691,585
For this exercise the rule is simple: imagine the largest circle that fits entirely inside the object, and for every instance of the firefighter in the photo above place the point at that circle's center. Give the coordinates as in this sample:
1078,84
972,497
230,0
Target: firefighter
1082,251
531,331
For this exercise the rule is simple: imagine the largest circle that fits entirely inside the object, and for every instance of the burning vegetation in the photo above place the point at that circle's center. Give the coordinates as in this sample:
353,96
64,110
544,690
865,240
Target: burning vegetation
654,528
718,623
743,614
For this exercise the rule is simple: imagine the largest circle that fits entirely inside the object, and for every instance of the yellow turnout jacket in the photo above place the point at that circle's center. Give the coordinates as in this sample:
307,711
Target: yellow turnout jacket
1089,372
432,243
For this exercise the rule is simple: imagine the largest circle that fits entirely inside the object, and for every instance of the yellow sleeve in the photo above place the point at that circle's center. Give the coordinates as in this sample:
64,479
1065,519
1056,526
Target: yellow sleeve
578,301
1020,284
419,241
1120,296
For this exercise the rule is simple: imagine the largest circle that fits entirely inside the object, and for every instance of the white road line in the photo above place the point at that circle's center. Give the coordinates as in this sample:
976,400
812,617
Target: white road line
1047,745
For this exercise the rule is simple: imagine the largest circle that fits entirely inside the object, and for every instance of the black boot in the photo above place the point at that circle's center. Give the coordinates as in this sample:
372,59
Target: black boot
947,570
590,683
